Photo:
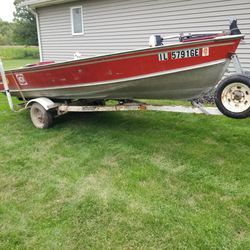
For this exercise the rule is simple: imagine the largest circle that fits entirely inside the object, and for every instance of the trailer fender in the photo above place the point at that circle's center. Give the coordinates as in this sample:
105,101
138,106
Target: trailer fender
43,101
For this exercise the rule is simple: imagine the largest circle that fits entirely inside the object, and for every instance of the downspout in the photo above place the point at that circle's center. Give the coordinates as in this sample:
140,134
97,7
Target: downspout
38,33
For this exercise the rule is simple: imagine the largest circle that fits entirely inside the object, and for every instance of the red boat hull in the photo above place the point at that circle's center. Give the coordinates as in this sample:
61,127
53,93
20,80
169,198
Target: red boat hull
175,71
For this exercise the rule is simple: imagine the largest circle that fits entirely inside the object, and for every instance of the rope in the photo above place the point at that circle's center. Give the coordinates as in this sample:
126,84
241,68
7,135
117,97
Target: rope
19,89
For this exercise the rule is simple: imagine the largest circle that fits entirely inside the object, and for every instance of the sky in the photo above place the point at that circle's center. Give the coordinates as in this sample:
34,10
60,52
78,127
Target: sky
6,10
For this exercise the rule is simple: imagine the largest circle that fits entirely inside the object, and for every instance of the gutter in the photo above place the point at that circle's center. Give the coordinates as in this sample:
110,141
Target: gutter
43,3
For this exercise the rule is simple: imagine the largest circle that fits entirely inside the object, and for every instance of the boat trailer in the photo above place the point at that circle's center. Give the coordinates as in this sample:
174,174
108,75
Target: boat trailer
43,110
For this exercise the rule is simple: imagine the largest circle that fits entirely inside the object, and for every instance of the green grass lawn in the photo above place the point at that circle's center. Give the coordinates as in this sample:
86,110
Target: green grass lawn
16,63
135,180
18,56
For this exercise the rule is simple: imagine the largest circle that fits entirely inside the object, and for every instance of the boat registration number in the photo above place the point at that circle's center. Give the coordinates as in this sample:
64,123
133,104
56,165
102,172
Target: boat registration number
179,54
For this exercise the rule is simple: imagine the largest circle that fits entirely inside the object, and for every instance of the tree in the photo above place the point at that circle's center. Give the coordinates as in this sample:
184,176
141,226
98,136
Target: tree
6,32
25,31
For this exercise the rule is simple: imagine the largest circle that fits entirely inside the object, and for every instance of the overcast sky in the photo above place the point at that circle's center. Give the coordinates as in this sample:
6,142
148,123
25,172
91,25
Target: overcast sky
6,10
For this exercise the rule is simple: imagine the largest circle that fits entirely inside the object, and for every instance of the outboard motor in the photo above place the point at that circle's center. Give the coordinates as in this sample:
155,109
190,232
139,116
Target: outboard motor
234,27
155,40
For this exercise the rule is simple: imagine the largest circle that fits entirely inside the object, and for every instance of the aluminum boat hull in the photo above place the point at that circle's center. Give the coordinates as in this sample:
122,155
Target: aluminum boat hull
151,73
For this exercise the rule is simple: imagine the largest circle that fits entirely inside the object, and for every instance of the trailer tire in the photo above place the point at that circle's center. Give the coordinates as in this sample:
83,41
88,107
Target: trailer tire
232,96
40,117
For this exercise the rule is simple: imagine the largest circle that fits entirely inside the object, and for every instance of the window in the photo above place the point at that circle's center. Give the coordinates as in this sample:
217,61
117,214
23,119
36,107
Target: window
77,20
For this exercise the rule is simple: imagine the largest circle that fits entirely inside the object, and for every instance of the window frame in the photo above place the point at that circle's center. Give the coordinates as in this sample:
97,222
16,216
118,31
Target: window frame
72,20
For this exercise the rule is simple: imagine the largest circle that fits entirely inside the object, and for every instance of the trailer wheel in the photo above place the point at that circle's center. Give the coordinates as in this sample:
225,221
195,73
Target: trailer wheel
232,96
40,117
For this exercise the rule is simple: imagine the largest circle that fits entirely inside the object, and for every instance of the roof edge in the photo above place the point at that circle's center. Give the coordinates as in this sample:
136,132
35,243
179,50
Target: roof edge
42,3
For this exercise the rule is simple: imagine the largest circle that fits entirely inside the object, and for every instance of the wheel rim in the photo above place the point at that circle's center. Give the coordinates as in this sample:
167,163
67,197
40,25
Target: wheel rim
37,117
236,97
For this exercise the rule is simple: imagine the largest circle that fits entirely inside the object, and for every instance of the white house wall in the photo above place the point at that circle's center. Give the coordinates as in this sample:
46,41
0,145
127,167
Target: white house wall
117,25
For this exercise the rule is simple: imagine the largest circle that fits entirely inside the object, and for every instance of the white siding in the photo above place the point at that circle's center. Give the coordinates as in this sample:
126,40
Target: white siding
116,25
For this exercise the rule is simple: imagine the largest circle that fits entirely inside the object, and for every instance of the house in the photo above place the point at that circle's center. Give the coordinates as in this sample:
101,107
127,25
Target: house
94,27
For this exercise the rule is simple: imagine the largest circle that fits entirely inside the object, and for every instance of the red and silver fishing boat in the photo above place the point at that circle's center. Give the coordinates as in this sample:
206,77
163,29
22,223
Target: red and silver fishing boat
180,70
176,71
